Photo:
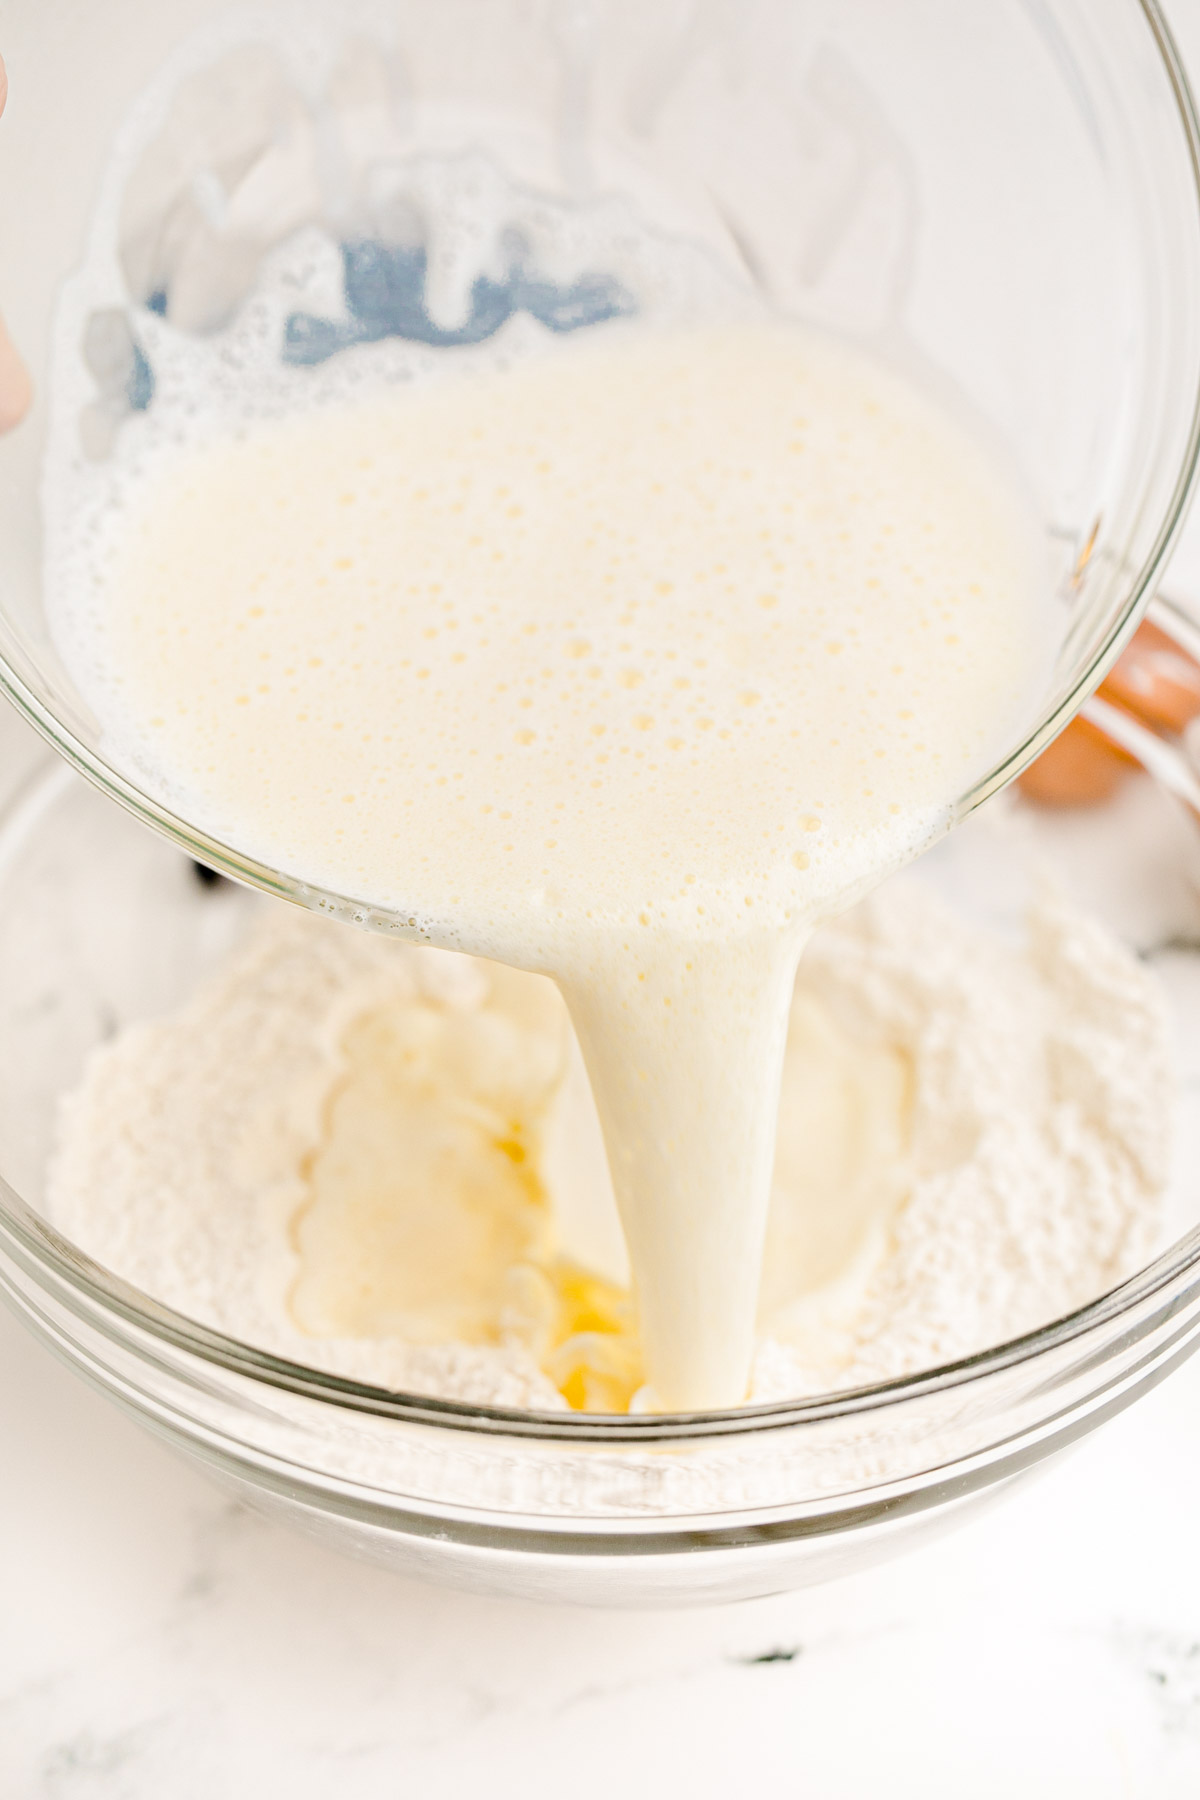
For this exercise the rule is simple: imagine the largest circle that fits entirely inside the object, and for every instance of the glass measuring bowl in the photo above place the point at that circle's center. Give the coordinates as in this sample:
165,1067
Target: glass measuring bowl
1006,195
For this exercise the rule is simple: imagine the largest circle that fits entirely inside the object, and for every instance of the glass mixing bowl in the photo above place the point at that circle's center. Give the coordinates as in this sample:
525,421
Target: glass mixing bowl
102,922
1001,193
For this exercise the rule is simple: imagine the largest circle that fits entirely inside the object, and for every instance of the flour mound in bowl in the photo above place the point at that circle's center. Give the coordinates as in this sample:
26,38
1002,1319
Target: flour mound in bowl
383,1160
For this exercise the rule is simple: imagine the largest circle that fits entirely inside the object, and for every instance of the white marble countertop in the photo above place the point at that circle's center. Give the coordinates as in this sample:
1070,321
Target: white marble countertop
160,1643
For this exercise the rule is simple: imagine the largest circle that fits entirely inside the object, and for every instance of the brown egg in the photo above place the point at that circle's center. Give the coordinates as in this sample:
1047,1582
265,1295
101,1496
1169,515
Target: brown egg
1080,767
1156,682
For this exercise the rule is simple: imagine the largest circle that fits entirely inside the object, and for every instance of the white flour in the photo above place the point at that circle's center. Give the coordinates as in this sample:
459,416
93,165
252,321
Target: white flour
1037,1127
181,1159
1043,1103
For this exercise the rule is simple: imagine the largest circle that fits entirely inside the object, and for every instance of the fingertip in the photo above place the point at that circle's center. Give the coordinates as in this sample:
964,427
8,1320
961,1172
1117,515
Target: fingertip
16,389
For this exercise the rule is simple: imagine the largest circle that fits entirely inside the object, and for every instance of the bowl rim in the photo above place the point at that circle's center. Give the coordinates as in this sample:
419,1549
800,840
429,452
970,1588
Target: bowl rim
40,1248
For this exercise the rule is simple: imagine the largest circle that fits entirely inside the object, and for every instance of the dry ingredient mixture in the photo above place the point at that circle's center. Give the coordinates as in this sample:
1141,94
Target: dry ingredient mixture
384,1160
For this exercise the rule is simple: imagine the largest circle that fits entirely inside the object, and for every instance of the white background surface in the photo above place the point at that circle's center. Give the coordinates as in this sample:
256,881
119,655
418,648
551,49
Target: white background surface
158,1643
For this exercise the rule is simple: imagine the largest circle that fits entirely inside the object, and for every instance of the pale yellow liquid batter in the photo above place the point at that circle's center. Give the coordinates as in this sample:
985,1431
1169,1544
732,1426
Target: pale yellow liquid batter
625,665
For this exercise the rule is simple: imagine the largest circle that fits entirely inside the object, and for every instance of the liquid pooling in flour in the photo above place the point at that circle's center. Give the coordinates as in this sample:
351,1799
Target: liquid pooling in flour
569,607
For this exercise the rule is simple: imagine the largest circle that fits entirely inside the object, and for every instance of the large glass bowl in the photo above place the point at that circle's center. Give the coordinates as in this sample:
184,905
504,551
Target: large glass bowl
102,922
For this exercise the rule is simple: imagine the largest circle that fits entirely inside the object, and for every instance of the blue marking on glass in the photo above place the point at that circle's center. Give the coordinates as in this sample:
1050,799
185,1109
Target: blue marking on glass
140,384
385,297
